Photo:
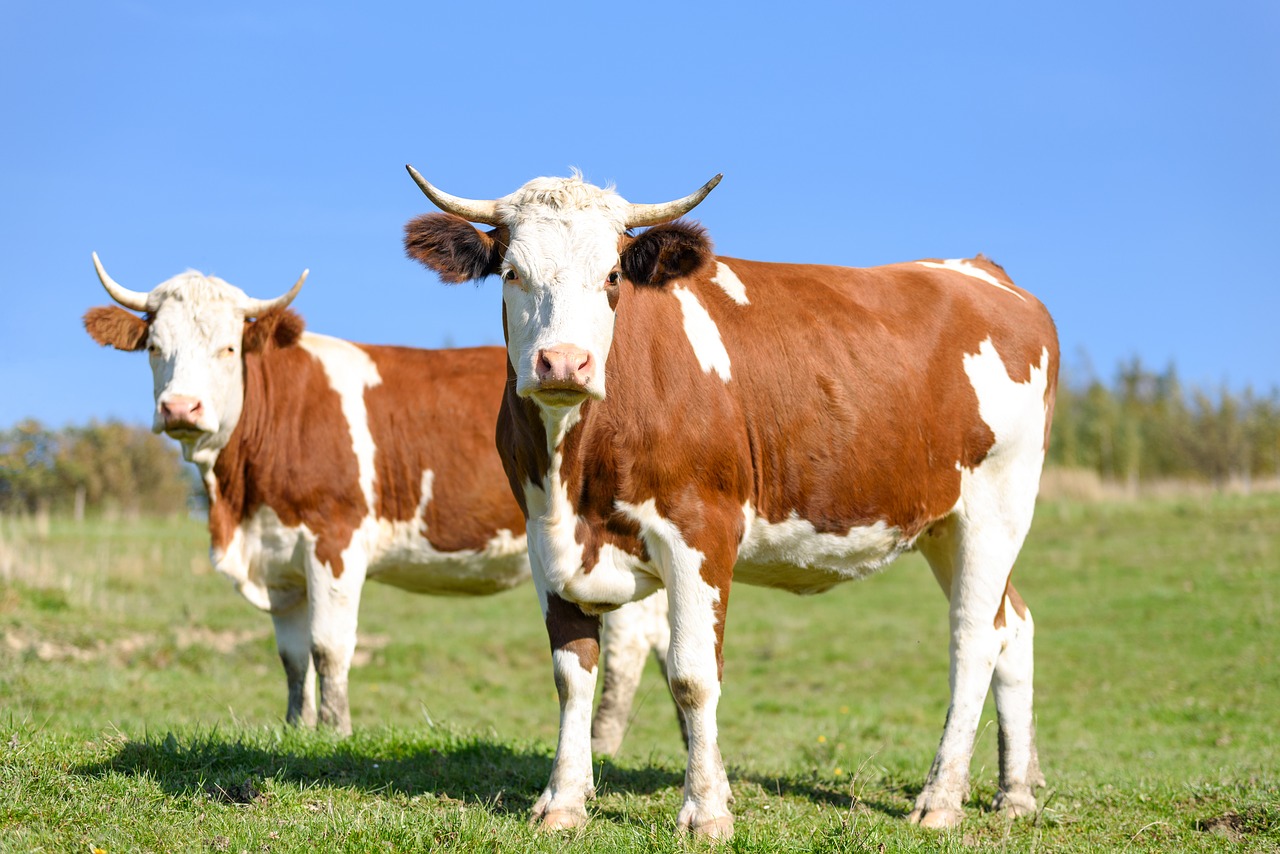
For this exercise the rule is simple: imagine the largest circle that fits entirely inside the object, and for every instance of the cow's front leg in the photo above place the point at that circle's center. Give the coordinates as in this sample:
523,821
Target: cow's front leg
575,653
293,643
335,610
697,575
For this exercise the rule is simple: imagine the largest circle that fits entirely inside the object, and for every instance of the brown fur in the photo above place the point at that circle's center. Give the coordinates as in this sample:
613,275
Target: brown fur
864,421
573,631
453,247
290,409
425,396
112,326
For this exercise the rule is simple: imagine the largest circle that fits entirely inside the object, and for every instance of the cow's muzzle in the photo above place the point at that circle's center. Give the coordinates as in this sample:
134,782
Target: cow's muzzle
181,416
565,376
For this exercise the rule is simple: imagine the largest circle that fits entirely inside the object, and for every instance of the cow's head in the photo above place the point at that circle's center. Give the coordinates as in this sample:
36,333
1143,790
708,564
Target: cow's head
562,247
196,329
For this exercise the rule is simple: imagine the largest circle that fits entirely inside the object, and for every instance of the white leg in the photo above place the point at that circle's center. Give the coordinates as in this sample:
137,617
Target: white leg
575,652
694,666
972,564
335,611
1012,685
293,642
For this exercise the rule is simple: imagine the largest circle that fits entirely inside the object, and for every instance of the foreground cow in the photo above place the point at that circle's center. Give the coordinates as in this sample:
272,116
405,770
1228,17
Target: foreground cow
328,462
676,420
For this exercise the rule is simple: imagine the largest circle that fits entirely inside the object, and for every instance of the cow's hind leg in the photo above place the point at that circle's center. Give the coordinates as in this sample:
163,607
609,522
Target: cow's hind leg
971,560
627,636
293,643
1012,685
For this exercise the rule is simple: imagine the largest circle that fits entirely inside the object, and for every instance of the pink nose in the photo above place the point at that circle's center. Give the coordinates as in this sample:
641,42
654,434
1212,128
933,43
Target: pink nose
565,366
179,411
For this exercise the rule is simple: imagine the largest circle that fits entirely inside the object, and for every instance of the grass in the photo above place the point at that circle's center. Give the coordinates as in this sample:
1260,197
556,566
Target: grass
140,704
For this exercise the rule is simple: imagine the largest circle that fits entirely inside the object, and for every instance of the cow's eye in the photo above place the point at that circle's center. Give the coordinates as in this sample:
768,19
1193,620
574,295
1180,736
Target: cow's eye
510,275
613,278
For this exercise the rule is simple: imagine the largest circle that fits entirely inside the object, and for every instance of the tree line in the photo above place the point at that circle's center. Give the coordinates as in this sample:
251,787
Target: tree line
101,468
1147,425
1143,426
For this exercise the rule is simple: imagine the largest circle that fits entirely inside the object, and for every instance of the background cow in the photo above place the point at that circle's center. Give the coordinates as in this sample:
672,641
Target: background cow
677,420
328,462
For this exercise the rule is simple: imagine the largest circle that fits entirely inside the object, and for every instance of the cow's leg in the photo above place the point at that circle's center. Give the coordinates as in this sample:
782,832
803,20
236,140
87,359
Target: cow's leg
293,642
629,633
335,610
575,652
697,578
972,557
1012,686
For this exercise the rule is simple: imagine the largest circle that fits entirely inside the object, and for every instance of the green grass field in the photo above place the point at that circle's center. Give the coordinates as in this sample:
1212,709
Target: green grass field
141,704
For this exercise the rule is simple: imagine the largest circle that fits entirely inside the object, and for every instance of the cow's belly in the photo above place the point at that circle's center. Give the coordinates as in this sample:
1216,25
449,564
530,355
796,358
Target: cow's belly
791,555
402,557
266,560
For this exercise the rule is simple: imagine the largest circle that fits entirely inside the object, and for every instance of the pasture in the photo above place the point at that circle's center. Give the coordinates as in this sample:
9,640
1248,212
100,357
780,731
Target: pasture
141,702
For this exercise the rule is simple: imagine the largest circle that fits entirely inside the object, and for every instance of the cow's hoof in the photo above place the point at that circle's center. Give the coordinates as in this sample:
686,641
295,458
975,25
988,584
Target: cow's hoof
559,820
939,819
713,828
1015,803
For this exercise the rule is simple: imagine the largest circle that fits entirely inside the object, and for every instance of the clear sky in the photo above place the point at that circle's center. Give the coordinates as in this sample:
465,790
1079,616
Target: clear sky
1120,159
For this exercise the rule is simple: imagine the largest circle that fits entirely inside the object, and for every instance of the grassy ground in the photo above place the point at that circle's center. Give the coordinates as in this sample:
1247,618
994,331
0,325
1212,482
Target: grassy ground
140,704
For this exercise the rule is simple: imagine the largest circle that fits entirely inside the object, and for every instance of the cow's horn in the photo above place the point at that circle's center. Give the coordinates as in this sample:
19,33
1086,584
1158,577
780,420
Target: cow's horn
259,307
135,300
472,210
667,211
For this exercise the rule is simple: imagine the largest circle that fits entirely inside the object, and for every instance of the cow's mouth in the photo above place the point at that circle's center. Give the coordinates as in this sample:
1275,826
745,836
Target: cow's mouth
560,396
183,432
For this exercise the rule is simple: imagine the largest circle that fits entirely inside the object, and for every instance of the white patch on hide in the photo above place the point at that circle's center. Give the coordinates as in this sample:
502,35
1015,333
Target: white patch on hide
1001,490
703,334
962,266
350,372
793,556
730,283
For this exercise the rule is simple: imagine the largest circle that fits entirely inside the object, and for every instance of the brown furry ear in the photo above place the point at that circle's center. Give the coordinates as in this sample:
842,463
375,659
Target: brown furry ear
111,325
281,328
666,252
453,247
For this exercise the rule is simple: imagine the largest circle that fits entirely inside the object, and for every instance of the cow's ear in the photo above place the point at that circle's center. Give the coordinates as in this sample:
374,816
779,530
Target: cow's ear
453,247
280,328
666,252
112,326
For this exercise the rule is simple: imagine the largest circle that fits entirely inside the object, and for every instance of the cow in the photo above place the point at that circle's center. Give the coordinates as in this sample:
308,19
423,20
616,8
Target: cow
680,420
327,463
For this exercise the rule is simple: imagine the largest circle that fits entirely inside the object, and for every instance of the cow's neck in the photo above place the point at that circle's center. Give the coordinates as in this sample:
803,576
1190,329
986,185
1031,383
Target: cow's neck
224,469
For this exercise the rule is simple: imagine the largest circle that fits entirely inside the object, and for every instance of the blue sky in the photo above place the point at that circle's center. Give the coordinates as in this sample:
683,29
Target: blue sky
1121,160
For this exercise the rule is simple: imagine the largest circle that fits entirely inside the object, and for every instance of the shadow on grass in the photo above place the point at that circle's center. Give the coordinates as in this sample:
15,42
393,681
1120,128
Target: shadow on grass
498,777
887,797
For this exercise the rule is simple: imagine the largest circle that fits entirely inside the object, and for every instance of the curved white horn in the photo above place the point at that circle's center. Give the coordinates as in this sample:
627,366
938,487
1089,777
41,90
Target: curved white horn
667,211
259,307
472,210
135,300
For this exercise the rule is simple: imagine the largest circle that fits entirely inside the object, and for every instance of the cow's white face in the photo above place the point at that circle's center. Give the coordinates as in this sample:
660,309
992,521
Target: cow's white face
559,276
194,344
